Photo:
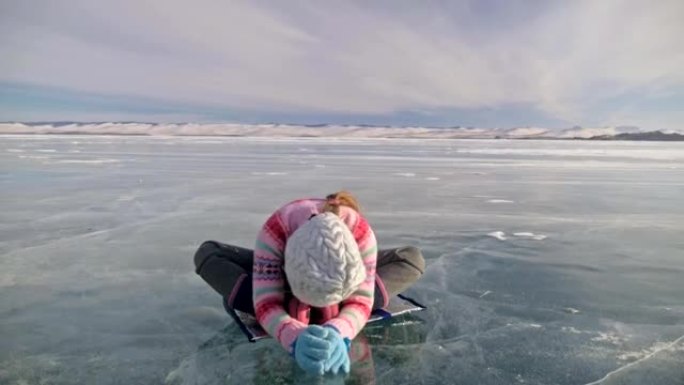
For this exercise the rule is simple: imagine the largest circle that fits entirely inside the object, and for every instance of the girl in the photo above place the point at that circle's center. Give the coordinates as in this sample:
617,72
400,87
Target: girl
313,279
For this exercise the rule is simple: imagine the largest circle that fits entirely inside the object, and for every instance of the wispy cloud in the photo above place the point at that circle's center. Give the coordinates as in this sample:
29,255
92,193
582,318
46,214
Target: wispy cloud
302,57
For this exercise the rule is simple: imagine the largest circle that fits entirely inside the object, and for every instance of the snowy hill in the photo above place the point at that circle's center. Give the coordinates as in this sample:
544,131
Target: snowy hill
329,130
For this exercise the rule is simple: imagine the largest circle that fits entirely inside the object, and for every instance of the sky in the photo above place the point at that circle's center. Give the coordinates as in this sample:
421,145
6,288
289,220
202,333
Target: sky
479,63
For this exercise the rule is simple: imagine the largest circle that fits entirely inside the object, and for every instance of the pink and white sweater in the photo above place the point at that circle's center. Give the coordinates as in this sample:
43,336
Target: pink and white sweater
269,281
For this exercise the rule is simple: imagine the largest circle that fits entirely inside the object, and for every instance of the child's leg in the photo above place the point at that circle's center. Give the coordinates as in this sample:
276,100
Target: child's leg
397,269
228,270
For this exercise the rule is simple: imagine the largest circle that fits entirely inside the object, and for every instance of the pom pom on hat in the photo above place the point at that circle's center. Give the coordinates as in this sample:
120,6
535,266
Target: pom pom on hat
323,264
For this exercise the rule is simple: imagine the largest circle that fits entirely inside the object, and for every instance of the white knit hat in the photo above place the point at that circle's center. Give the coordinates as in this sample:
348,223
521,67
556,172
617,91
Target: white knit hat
323,264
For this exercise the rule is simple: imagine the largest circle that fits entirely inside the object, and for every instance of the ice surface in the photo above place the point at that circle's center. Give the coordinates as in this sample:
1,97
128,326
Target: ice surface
97,234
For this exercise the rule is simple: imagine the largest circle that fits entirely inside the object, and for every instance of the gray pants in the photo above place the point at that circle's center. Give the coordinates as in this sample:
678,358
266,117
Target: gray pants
224,267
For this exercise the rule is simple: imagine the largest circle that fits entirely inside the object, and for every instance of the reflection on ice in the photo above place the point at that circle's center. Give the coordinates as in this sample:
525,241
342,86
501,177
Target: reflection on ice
379,350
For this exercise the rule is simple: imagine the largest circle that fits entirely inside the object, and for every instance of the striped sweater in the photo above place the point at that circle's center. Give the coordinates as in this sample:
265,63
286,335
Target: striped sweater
269,281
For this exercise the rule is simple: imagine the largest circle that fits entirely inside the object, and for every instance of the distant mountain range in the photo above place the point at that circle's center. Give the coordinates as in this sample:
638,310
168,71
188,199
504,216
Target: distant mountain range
337,131
652,136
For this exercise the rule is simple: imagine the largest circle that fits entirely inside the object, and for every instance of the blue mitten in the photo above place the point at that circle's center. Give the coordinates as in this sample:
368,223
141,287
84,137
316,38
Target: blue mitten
312,350
338,362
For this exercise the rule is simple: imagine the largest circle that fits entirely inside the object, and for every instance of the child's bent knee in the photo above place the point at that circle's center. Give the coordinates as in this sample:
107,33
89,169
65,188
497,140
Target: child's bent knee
413,257
203,253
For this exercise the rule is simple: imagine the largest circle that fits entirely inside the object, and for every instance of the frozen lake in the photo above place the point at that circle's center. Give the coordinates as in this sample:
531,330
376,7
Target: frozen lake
549,262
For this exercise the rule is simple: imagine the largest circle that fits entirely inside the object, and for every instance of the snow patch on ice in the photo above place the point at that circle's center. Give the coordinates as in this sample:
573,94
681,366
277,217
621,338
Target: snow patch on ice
406,174
610,337
14,150
500,235
536,237
640,354
658,348
34,157
571,330
86,161
270,173
432,178
500,201
631,356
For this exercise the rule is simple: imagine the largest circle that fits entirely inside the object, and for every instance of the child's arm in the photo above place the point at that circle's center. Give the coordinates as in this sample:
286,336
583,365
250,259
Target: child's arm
269,284
357,308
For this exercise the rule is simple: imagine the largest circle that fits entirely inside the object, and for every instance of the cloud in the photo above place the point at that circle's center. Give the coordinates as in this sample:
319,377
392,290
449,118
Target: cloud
562,58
